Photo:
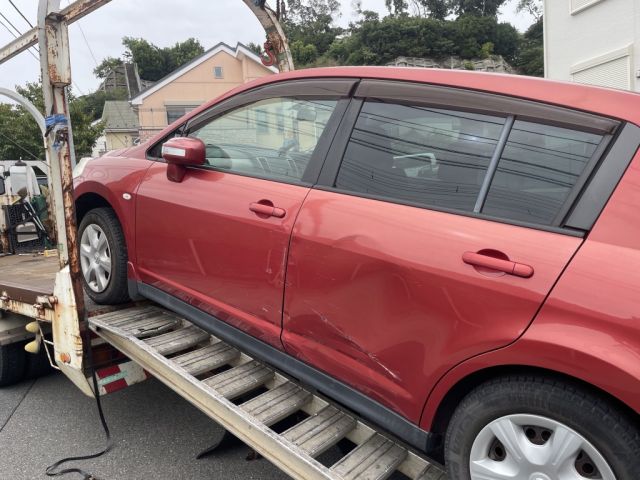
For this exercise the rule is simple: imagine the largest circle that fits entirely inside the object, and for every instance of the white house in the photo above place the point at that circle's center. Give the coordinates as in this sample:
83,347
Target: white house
593,41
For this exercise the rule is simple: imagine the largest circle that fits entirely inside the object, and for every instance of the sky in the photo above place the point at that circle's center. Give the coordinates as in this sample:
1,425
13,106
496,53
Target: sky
162,22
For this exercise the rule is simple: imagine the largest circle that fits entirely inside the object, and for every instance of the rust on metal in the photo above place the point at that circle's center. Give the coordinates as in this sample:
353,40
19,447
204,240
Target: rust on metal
275,35
28,309
71,13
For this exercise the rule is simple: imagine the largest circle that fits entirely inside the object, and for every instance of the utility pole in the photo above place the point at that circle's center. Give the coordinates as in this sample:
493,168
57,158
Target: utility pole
53,38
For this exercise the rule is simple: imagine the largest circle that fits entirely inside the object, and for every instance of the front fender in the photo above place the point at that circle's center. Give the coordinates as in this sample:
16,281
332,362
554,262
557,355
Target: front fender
116,180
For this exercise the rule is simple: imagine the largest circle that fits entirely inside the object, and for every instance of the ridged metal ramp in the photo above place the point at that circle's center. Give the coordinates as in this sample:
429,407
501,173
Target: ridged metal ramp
212,374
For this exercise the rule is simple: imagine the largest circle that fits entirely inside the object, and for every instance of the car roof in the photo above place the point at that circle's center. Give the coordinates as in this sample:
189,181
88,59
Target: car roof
618,104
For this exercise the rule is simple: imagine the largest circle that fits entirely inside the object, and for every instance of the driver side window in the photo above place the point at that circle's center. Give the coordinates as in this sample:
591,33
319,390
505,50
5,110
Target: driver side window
272,138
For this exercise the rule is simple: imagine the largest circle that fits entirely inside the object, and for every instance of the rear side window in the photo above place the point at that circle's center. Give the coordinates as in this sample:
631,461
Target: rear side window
418,154
538,168
440,158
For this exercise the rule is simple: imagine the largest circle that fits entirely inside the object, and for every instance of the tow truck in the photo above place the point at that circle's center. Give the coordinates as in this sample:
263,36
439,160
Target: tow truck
103,350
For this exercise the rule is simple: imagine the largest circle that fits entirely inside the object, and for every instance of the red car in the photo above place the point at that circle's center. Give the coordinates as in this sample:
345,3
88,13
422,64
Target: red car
454,256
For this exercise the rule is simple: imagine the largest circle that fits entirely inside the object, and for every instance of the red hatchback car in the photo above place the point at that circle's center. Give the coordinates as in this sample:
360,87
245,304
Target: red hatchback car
453,256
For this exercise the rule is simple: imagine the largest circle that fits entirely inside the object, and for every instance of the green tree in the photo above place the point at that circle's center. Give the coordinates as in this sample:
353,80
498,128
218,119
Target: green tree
108,64
93,103
396,7
183,52
312,23
154,62
21,136
437,9
534,7
303,54
482,8
255,48
377,41
531,59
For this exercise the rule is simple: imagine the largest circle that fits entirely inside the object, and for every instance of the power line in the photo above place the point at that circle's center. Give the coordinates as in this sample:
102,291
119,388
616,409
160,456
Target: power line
9,22
8,29
15,36
87,42
20,13
19,146
96,63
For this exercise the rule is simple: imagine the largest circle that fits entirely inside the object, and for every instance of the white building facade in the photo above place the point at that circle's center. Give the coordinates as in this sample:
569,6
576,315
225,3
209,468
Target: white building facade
593,41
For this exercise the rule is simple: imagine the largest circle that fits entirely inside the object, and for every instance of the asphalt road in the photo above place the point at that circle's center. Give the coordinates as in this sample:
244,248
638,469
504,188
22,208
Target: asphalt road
157,435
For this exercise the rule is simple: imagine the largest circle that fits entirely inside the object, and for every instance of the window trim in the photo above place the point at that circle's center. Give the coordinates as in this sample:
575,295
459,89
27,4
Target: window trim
608,128
485,102
340,88
480,216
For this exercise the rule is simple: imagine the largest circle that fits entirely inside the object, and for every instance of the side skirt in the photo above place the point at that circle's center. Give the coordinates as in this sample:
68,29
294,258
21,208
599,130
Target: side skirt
352,399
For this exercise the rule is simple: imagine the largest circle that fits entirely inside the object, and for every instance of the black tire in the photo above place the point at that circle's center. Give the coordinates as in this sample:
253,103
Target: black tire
13,360
613,432
116,291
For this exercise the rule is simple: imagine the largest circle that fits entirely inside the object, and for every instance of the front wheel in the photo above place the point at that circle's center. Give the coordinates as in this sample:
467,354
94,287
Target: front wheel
103,257
536,428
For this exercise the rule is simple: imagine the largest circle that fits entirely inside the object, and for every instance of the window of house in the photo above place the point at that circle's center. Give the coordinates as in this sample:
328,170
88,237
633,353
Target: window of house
174,112
417,154
218,72
271,139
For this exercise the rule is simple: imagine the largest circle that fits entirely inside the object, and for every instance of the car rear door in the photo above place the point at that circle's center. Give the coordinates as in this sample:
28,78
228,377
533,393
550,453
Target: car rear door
219,239
435,234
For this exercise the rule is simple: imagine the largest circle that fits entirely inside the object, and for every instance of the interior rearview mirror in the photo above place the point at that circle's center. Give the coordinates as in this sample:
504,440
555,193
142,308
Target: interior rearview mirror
181,152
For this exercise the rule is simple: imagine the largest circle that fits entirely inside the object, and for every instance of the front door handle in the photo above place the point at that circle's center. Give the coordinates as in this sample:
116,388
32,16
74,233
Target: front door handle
498,264
267,209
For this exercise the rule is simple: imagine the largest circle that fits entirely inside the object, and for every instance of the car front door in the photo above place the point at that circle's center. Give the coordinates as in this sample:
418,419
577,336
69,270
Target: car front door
434,235
219,238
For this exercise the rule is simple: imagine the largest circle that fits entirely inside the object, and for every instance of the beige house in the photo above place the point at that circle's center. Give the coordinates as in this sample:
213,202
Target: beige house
213,73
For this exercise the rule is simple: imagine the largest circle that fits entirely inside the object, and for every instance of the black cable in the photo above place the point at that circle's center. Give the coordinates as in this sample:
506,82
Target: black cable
19,146
21,14
51,469
16,36
11,24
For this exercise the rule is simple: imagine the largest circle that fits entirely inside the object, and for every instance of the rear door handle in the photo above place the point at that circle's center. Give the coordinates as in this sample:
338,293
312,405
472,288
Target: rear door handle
498,264
266,209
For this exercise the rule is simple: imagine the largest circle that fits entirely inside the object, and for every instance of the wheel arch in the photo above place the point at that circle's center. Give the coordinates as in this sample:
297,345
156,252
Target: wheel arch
88,201
460,389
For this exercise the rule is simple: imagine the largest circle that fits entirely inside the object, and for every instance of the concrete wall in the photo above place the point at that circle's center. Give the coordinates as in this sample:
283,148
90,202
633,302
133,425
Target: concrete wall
593,41
195,87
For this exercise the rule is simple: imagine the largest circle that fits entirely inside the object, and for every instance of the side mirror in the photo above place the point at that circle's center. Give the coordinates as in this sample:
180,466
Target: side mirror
181,152
2,187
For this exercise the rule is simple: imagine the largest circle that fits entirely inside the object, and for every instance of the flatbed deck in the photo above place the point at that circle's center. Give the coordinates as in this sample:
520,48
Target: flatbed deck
25,277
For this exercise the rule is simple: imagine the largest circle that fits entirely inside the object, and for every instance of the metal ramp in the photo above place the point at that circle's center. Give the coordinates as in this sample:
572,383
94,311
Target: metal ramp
212,374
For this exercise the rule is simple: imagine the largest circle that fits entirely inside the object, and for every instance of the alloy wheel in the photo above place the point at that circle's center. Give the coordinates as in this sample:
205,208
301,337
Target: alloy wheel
95,258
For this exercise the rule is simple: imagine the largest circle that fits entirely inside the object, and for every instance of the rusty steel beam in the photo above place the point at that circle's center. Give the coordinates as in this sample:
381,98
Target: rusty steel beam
69,310
71,13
